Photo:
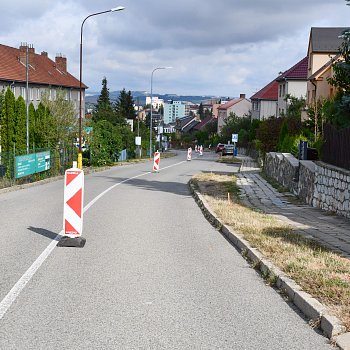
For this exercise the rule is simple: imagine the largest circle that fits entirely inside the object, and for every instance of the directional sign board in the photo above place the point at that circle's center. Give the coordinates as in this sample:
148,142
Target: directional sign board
42,161
25,165
32,163
234,137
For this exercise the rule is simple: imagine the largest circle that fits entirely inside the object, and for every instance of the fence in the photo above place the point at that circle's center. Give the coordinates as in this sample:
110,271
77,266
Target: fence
49,163
335,149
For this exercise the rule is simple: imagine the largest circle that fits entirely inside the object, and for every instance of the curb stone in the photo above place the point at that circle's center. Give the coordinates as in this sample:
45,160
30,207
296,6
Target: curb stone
309,306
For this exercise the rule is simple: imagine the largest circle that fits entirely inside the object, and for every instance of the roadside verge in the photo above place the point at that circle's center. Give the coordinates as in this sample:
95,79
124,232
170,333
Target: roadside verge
314,311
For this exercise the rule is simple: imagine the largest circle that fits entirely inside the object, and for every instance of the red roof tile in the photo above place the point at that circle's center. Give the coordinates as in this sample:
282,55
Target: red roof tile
42,71
204,122
269,92
297,72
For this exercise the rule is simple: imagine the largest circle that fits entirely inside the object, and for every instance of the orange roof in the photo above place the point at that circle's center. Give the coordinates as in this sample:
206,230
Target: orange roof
42,70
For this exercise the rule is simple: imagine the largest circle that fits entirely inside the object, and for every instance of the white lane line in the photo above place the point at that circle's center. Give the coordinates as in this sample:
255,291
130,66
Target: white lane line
27,276
22,282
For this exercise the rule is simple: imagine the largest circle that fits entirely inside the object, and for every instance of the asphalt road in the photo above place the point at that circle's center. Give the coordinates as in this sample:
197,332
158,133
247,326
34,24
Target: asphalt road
154,274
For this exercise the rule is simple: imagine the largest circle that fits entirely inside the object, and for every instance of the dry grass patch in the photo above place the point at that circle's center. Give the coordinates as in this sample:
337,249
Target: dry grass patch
229,160
320,272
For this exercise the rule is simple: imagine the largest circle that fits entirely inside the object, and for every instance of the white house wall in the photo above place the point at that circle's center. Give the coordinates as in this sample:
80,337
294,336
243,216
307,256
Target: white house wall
241,109
35,92
268,109
296,89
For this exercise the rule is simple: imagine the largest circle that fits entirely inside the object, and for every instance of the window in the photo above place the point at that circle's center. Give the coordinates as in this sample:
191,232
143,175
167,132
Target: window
23,92
50,94
280,90
13,89
66,96
31,94
38,94
284,90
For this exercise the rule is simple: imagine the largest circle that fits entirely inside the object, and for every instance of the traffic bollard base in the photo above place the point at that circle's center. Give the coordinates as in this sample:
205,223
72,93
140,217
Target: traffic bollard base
76,242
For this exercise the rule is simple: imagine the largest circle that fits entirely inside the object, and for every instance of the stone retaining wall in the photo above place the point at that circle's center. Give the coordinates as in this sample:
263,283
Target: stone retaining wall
316,183
332,186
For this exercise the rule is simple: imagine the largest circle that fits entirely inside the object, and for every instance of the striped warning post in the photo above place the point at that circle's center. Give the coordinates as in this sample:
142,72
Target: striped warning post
73,202
156,161
189,153
201,150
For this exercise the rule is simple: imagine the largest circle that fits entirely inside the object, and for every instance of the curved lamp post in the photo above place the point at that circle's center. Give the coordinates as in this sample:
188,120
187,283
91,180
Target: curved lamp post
80,155
150,124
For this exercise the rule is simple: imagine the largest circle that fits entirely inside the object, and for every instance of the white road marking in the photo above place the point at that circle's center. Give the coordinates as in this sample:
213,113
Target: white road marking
27,276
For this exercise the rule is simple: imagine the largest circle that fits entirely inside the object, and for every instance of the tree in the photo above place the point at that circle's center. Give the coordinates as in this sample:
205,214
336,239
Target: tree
20,125
7,137
62,122
341,67
32,125
201,111
106,143
233,124
124,107
42,123
337,111
295,106
267,134
104,109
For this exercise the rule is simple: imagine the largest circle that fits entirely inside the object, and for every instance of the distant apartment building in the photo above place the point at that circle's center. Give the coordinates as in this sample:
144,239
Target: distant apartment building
156,102
175,110
44,75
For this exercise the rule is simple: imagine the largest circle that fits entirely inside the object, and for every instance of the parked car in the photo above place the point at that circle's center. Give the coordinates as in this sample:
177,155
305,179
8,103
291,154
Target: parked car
228,149
219,147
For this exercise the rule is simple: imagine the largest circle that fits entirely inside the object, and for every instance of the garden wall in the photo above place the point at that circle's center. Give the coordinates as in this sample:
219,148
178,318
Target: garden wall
316,183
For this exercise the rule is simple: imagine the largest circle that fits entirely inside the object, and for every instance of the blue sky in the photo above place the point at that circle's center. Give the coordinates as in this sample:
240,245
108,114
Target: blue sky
219,48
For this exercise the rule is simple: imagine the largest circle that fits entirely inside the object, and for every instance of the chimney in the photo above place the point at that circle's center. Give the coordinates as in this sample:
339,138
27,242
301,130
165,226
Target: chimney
44,53
23,54
61,63
241,95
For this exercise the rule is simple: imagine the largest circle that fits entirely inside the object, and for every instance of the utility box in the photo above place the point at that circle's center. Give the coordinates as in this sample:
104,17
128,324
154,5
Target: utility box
312,154
303,150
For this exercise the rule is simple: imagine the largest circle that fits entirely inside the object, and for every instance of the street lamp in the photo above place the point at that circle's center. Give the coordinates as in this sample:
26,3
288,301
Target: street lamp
80,155
150,124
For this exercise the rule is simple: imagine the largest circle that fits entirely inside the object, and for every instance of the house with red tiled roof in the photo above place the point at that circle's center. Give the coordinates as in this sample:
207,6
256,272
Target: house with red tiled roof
264,102
241,107
44,75
292,82
205,122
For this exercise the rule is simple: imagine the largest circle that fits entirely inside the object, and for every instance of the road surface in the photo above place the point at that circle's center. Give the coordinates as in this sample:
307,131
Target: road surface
154,274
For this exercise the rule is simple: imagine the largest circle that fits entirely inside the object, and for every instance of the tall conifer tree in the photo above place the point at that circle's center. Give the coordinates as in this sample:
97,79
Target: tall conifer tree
20,127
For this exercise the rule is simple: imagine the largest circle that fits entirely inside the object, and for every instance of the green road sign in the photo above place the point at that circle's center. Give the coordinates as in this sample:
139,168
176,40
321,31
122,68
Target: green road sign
25,165
32,163
42,161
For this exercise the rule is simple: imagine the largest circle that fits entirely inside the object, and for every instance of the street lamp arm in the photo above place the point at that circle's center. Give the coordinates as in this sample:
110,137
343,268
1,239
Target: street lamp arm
119,8
150,128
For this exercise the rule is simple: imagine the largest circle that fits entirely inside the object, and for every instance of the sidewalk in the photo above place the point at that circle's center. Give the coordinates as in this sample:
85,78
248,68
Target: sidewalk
332,231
